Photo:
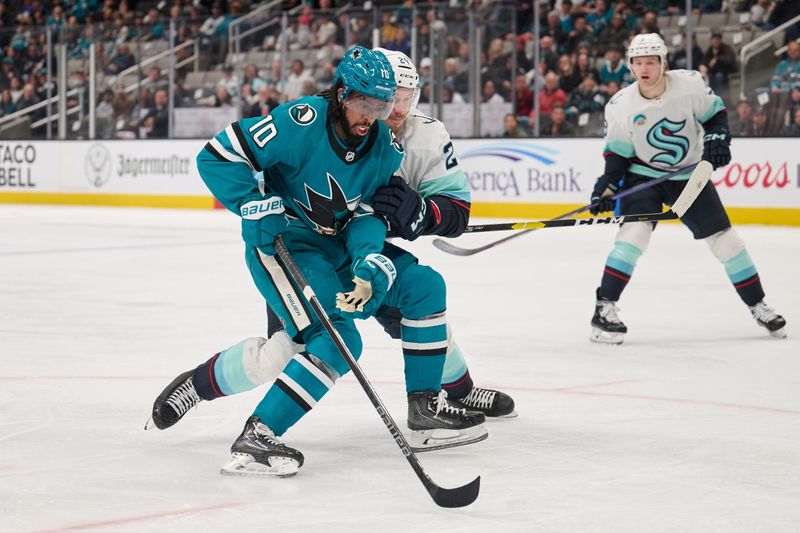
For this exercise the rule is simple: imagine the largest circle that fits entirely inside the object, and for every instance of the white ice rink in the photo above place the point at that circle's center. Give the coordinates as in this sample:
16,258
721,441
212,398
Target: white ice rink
693,425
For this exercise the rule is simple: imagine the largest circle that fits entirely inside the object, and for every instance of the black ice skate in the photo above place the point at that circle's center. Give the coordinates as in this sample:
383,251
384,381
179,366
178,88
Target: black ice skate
767,317
606,326
258,452
492,403
174,402
436,423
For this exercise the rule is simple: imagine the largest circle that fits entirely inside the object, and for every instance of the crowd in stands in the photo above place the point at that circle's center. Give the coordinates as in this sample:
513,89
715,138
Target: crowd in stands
582,57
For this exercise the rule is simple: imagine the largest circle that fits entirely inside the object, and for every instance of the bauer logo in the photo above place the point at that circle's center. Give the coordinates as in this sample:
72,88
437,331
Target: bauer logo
519,169
97,165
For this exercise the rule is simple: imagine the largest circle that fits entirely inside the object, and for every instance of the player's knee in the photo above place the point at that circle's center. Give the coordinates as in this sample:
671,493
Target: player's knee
636,233
725,244
389,318
631,242
431,291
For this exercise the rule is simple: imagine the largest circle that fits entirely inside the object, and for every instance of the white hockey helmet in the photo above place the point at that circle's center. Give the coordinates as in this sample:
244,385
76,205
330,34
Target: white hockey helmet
405,73
647,44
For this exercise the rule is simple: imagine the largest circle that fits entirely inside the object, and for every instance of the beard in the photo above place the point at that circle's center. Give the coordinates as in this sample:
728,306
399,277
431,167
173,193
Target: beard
351,137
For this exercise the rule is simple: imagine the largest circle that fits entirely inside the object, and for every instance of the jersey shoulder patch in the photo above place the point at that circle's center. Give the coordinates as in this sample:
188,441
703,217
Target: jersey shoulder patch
302,114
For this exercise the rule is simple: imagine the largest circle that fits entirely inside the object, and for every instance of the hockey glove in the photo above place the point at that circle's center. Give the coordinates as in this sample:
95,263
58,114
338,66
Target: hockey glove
373,276
716,147
262,221
601,199
407,212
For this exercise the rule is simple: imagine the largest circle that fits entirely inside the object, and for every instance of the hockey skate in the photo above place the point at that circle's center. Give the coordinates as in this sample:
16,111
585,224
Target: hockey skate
174,402
607,328
766,317
436,423
258,452
492,403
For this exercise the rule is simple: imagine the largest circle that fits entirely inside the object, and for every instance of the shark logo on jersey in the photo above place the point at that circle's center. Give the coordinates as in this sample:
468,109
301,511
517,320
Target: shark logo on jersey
663,136
330,213
302,114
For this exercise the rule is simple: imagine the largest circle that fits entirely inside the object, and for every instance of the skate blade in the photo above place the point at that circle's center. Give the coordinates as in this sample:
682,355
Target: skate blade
606,337
244,465
438,439
512,414
150,424
779,333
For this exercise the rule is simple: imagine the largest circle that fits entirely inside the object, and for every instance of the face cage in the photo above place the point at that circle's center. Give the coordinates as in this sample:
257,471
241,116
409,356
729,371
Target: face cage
370,107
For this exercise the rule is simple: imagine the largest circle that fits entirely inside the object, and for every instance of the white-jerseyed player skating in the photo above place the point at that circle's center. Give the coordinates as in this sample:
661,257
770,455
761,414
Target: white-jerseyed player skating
430,196
665,121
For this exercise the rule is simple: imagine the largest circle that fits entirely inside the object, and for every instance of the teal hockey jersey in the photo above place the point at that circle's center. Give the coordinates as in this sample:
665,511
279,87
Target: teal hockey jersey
322,182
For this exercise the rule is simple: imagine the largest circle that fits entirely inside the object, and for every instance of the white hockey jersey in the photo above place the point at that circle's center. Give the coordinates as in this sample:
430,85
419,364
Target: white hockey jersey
430,164
662,134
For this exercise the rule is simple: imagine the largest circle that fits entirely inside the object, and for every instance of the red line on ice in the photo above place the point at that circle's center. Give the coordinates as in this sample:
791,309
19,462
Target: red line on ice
94,525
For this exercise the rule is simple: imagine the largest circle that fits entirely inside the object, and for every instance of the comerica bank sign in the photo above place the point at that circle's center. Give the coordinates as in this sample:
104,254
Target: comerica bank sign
520,171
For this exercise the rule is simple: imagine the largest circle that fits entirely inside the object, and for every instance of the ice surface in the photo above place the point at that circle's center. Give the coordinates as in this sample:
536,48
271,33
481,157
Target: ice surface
692,425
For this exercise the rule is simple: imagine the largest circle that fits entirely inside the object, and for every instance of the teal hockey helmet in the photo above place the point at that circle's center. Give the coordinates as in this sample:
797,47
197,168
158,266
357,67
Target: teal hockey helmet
366,72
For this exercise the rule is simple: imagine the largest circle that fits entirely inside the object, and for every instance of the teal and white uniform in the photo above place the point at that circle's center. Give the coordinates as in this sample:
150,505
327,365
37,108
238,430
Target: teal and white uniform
431,165
663,134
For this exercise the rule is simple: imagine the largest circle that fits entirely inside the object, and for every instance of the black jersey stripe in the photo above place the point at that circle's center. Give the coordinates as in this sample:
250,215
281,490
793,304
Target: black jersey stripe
237,130
292,394
213,151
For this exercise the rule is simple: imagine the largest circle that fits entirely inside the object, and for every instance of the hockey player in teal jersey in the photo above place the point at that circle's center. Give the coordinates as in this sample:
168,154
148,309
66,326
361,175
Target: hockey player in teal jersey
322,159
661,123
428,196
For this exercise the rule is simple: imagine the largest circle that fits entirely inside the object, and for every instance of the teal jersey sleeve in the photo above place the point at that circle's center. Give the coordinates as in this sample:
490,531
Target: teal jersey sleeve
229,160
364,235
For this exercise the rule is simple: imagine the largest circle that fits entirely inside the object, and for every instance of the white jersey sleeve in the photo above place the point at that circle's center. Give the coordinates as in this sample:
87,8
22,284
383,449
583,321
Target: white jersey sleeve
431,165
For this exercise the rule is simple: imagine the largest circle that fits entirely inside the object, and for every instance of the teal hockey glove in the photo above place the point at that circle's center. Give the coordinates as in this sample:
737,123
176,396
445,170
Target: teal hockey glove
262,221
373,276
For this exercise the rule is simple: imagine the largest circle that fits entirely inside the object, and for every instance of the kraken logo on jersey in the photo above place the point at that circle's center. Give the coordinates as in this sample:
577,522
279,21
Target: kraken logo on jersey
663,136
302,114
328,213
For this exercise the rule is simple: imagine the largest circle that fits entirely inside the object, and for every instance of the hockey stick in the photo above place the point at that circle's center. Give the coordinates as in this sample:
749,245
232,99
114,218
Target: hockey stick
690,192
562,223
456,250
457,497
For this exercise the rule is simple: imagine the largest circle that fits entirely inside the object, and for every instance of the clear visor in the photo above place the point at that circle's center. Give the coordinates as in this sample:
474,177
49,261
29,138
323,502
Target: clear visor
406,99
370,107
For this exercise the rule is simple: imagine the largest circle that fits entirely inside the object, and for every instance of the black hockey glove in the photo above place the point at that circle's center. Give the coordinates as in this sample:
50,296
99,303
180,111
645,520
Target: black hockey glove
407,212
716,147
601,203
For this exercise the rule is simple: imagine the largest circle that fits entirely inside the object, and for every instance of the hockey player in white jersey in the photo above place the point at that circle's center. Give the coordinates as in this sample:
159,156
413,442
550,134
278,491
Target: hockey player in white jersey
665,121
430,196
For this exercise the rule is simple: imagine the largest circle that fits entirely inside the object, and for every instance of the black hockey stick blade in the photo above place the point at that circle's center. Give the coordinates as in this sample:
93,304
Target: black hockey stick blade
457,497
452,249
